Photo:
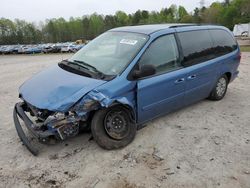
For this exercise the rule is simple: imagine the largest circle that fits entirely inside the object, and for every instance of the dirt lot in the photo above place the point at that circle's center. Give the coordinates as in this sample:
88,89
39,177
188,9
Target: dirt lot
204,145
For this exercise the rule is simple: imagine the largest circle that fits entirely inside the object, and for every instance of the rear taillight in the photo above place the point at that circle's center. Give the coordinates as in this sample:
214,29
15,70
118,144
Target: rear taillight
239,56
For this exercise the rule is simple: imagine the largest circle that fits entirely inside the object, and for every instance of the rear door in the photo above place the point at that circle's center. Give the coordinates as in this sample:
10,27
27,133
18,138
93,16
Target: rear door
164,91
198,55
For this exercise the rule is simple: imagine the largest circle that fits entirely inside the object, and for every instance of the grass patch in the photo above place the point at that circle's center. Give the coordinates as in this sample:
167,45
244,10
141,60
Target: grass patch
245,48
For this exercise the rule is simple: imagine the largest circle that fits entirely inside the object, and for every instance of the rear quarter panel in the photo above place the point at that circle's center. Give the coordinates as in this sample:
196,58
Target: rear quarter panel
229,64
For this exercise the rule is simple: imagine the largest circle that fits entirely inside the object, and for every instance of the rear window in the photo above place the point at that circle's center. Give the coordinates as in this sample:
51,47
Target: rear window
197,46
223,42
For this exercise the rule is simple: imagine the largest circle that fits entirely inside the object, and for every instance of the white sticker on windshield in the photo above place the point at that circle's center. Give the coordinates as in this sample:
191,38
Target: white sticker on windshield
128,41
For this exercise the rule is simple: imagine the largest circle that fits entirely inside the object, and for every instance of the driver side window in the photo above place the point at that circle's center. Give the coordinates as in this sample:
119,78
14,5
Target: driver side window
162,54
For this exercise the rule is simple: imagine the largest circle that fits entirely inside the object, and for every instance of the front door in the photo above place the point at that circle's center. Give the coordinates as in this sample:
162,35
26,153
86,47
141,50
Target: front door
164,91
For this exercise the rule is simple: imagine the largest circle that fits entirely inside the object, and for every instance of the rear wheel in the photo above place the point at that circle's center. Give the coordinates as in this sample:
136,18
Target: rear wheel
112,128
220,89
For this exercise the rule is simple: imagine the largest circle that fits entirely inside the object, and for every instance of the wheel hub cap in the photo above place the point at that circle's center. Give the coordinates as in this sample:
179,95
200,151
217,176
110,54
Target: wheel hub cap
116,125
221,87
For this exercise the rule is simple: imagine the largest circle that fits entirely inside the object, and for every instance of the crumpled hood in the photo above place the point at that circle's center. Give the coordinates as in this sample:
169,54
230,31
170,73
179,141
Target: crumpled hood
56,89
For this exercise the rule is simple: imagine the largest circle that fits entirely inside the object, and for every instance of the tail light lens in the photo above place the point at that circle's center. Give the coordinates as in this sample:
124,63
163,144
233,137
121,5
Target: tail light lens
239,56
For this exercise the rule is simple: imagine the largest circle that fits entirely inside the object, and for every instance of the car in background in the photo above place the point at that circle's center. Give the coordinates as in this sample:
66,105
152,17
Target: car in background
32,50
2,49
77,47
52,48
8,49
16,48
47,48
245,35
68,47
22,49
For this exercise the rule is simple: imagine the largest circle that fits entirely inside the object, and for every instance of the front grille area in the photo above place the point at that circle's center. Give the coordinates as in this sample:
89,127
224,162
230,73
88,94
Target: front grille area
41,114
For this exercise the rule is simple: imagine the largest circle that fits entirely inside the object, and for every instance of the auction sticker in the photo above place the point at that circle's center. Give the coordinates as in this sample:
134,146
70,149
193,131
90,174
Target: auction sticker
128,41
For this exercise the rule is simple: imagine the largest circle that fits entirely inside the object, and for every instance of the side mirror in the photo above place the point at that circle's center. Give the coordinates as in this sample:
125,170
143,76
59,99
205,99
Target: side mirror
145,70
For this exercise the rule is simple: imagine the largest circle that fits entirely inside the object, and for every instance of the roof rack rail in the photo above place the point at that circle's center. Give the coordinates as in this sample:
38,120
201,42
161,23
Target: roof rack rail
184,25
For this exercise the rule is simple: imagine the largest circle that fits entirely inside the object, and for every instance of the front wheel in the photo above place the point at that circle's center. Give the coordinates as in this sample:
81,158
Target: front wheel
112,128
220,89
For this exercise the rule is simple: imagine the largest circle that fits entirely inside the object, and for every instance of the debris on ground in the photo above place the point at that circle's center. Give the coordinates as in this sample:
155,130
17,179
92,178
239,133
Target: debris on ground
157,156
94,182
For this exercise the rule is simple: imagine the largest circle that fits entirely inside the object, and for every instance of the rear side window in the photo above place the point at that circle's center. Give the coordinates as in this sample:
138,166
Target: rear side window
197,46
223,42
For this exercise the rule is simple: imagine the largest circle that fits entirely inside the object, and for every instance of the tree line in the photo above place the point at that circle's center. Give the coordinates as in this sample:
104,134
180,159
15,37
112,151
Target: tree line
227,13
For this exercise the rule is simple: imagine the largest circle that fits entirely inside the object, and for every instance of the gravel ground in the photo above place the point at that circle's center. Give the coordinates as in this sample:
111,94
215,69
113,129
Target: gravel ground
204,145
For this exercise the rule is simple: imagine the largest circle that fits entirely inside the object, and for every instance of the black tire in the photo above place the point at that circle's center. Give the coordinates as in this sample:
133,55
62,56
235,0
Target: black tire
103,136
217,95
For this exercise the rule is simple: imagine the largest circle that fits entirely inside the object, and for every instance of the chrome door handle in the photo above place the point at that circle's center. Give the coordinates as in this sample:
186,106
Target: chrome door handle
191,77
179,80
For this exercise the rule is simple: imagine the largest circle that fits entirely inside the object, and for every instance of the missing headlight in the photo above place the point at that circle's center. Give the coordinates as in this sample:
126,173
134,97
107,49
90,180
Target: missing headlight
65,124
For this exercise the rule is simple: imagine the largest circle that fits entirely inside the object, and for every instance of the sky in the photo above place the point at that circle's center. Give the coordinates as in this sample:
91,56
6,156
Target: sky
39,10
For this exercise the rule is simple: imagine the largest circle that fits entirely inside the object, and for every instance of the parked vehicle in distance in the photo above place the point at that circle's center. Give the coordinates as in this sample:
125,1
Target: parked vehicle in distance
68,48
51,48
77,47
2,49
124,78
16,48
21,49
41,48
8,49
245,34
32,50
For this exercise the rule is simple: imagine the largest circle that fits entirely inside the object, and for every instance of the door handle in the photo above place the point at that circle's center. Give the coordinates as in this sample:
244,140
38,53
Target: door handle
179,81
191,77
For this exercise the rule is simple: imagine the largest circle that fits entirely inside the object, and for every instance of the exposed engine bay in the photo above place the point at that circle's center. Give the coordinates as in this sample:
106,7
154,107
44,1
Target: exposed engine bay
61,125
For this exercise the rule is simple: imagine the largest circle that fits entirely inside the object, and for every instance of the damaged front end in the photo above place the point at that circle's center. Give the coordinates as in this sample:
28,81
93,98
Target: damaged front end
46,125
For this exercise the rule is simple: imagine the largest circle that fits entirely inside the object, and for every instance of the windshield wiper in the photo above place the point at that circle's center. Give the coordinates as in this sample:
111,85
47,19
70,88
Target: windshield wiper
86,66
90,66
75,63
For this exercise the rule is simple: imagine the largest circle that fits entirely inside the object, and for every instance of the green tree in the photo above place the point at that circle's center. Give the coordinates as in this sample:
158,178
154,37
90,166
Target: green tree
136,17
121,18
144,16
213,13
96,25
182,13
85,27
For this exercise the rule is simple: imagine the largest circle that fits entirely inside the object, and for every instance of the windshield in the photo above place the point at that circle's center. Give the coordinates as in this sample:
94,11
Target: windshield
111,52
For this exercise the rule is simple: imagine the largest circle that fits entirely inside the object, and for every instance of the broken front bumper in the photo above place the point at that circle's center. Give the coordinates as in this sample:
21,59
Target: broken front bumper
41,136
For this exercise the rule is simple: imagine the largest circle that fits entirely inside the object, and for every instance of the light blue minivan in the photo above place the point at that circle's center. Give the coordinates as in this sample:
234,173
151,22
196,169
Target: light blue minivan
124,78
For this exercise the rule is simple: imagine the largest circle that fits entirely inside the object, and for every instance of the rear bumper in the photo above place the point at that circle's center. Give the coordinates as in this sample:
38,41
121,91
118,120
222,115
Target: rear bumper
41,136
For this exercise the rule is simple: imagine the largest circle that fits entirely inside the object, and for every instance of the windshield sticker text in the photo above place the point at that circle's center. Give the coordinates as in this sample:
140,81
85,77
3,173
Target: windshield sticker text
128,41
